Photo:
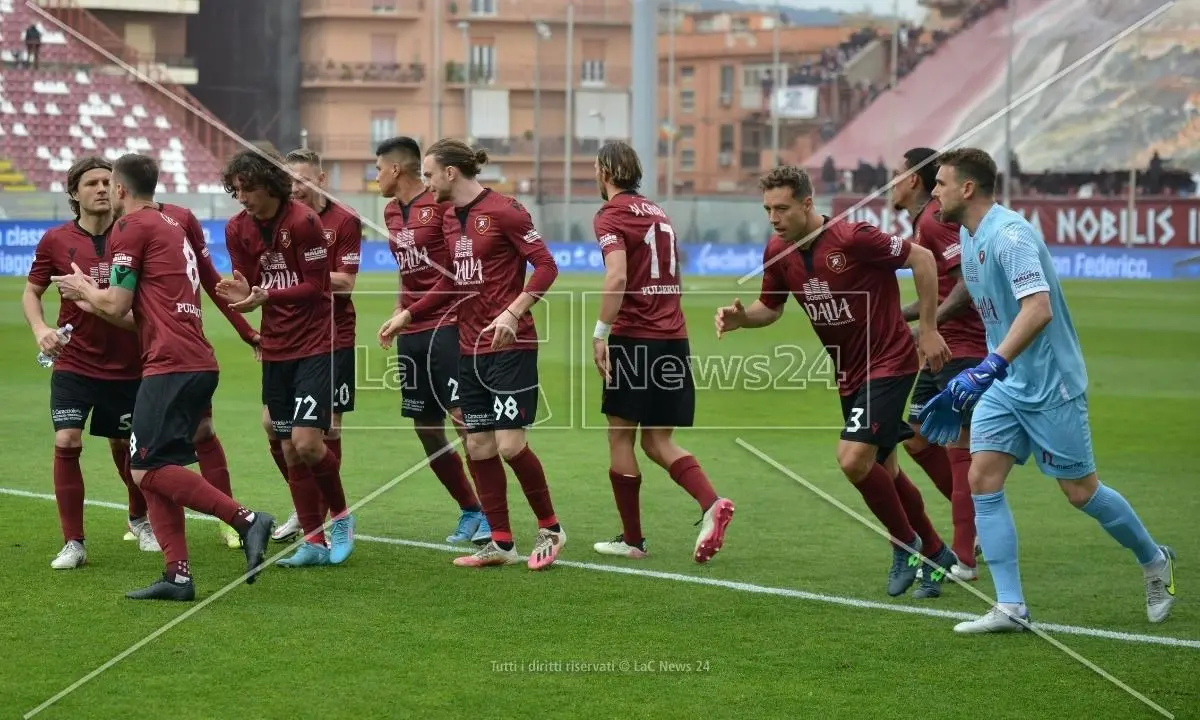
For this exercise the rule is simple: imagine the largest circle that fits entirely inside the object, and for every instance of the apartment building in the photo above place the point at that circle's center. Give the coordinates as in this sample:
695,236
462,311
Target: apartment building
721,124
496,71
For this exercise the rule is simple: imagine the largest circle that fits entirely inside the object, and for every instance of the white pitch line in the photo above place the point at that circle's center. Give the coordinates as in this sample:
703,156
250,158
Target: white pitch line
734,585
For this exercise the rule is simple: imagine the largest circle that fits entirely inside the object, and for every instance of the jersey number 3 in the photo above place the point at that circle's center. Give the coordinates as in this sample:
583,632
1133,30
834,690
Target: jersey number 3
651,240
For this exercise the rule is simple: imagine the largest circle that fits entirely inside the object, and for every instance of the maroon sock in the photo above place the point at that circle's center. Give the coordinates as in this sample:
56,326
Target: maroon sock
962,507
137,501
68,492
277,456
306,498
879,491
529,472
687,474
191,490
914,508
166,517
327,471
334,445
626,489
936,464
449,470
493,495
213,465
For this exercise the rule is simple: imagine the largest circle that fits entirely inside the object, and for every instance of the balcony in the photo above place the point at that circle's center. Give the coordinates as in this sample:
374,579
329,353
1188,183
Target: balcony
551,76
378,76
593,12
357,9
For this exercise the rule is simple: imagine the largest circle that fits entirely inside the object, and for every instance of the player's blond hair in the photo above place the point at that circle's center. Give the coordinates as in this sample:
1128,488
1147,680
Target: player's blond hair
305,156
457,154
619,163
972,164
788,176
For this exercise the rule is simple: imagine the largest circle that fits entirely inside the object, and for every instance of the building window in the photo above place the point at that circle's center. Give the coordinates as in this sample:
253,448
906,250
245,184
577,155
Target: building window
593,72
727,81
687,72
687,160
483,7
383,126
483,63
726,138
687,101
687,132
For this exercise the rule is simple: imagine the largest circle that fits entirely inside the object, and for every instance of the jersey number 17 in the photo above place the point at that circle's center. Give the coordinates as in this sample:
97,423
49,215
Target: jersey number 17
666,232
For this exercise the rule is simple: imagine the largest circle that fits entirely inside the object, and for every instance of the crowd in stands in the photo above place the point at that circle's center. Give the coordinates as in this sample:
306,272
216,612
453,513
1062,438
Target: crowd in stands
914,45
1157,179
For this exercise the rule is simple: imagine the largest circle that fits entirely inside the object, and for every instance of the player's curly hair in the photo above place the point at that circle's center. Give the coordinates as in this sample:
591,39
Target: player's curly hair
457,154
76,173
972,164
258,168
619,162
788,176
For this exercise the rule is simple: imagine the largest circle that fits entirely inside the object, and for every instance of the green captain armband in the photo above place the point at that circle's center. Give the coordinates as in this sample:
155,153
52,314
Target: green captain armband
123,277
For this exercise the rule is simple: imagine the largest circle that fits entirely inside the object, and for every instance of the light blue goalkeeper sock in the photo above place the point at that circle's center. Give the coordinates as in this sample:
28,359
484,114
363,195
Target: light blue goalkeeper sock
998,536
1116,516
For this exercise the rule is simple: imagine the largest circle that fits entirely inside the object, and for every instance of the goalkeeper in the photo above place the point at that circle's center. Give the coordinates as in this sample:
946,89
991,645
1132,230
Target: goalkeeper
1031,392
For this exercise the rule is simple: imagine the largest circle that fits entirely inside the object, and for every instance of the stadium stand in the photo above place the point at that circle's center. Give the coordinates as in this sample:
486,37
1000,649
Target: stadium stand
78,104
1113,112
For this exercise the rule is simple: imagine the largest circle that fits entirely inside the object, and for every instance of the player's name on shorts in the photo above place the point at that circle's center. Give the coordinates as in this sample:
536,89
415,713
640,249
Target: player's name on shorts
782,367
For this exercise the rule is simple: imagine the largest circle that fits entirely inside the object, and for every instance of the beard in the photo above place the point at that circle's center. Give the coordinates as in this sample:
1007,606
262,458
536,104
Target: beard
951,215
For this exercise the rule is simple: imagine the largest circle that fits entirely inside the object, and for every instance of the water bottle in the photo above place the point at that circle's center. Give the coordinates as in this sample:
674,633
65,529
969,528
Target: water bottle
64,332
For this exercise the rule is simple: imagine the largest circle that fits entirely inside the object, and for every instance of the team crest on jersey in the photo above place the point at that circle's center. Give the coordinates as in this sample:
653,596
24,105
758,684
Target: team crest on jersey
836,261
71,254
980,257
483,223
285,238
425,215
329,237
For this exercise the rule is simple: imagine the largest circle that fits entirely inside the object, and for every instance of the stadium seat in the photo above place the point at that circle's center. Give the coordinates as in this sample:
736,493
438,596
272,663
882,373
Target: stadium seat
69,113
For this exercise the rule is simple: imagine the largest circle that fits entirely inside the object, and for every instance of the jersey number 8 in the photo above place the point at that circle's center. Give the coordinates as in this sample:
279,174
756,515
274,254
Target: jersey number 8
193,269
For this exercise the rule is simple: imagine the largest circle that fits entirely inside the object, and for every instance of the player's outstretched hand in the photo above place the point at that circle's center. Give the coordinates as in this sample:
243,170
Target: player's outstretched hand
601,358
71,286
504,329
256,299
393,327
730,318
235,290
941,424
932,348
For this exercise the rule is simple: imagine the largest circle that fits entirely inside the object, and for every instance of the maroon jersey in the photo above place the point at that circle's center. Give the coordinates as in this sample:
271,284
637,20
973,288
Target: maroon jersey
166,301
209,277
286,255
416,241
651,307
846,283
97,349
963,333
493,239
343,242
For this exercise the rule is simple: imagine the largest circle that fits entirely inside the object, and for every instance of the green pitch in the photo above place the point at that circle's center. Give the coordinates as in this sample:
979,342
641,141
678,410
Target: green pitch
789,620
